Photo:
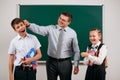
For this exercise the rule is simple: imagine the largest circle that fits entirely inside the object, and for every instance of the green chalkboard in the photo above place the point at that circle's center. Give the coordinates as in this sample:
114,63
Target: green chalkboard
85,17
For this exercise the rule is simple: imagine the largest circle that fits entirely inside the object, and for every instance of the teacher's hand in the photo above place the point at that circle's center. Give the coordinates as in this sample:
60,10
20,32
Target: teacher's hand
27,23
76,70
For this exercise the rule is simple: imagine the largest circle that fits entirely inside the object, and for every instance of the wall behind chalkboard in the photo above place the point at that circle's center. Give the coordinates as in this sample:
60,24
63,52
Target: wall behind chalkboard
85,17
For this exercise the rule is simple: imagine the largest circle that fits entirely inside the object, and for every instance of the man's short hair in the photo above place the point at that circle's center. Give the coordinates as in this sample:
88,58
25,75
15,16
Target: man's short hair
68,15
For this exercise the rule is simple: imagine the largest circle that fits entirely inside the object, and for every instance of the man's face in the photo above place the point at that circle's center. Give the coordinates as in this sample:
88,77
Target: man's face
63,21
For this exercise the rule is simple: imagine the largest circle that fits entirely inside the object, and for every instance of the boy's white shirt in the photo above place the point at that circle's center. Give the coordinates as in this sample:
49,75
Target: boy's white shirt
21,48
97,60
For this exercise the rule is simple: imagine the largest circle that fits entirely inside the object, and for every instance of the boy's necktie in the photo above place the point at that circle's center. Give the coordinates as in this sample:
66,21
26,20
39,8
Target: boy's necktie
59,45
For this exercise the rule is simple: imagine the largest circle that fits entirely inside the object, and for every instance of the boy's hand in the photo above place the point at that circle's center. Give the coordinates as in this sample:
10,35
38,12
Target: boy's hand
26,23
11,77
27,61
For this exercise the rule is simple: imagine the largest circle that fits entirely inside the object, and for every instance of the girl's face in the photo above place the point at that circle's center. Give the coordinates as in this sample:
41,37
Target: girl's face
94,37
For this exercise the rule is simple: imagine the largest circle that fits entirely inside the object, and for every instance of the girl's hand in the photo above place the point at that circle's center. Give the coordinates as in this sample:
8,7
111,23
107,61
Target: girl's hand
84,54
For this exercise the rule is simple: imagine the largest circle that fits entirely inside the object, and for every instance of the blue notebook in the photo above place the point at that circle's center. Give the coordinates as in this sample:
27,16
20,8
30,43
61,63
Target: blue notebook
30,54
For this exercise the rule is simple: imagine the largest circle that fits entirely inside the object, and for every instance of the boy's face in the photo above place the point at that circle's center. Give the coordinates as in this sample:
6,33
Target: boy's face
63,21
94,37
20,28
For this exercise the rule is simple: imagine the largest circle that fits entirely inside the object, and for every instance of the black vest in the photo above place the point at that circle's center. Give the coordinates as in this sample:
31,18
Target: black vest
97,53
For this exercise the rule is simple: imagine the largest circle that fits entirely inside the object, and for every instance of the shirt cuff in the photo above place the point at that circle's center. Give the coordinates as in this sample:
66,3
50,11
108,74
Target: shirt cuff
76,63
90,58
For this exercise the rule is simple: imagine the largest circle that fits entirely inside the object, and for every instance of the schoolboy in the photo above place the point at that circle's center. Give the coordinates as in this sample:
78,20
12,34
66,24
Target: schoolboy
24,49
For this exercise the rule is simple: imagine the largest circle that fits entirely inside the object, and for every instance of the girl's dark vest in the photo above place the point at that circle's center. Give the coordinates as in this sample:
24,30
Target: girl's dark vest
97,54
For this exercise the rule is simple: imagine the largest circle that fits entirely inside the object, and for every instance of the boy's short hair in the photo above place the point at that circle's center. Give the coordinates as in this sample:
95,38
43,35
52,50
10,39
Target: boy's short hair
15,21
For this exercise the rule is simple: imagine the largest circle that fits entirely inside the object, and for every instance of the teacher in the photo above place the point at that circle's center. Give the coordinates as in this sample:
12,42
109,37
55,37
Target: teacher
62,45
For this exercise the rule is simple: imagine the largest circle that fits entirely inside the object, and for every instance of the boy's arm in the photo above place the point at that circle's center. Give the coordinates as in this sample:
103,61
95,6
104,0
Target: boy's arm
38,56
11,66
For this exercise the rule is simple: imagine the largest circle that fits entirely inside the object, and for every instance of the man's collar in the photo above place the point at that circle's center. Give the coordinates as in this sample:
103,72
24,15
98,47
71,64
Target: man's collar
60,28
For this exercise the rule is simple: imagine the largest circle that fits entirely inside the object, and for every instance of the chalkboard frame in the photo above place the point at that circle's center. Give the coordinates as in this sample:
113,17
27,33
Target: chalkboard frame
83,40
